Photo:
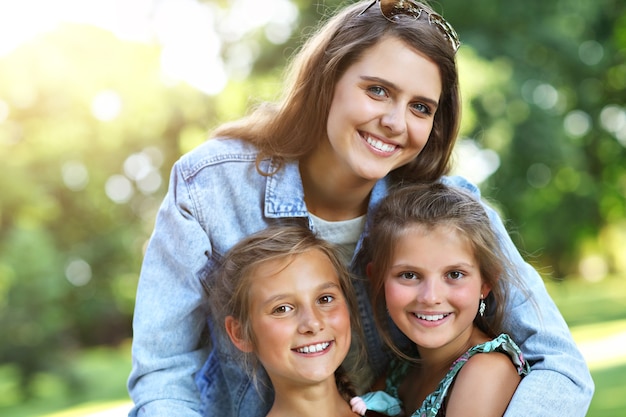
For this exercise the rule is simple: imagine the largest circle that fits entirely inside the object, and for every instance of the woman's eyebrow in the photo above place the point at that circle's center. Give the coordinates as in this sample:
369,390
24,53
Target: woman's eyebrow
389,84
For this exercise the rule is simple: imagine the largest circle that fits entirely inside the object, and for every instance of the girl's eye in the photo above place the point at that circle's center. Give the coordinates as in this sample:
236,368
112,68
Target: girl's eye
282,309
408,275
377,91
326,299
455,275
421,108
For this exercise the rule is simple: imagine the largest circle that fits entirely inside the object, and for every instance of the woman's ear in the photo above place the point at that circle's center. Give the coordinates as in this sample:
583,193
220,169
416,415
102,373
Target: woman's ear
368,269
233,328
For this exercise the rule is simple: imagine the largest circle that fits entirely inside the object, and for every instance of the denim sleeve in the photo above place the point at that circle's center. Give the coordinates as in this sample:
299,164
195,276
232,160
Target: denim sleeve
170,312
559,382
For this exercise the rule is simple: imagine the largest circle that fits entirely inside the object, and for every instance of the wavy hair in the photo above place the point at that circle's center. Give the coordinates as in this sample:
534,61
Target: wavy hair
229,293
294,126
428,206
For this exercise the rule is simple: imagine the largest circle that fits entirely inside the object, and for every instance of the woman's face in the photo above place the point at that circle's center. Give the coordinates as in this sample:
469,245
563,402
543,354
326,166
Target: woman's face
383,110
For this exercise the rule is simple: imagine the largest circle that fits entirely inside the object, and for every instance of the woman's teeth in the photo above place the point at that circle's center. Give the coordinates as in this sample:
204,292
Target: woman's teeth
380,145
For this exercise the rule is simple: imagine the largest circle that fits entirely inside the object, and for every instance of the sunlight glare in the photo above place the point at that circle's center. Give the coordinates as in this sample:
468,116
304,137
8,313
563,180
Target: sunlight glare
4,110
189,32
613,120
78,272
191,47
75,175
473,162
106,105
119,189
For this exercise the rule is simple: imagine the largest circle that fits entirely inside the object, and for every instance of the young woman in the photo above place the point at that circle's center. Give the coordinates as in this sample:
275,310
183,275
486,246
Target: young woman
435,264
370,100
286,301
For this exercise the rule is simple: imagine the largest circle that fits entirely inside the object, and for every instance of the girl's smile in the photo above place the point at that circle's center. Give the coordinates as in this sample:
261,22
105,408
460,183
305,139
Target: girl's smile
433,288
300,319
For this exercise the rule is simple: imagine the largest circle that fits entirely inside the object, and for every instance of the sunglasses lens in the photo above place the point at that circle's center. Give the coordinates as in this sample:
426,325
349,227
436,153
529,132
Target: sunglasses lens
393,8
447,30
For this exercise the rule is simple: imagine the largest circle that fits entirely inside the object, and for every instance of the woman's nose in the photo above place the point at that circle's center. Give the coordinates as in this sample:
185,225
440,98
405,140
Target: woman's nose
394,120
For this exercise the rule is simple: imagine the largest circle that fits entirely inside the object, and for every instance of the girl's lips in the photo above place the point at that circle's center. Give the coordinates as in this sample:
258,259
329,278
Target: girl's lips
431,319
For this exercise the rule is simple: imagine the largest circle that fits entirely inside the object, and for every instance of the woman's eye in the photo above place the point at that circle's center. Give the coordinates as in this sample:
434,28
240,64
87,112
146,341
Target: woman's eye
377,91
326,299
421,108
455,275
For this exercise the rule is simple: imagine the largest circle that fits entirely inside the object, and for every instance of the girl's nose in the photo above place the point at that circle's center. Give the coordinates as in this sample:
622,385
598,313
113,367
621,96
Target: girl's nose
310,321
429,292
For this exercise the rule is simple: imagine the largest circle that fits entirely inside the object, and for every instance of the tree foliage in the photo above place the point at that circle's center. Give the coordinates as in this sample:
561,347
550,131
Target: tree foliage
89,129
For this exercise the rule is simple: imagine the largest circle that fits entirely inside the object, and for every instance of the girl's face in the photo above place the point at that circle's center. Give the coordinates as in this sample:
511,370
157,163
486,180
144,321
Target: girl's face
383,110
300,318
433,288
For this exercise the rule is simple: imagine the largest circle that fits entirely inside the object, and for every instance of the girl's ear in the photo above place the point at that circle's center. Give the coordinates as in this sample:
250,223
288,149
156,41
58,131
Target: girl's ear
485,289
233,328
368,269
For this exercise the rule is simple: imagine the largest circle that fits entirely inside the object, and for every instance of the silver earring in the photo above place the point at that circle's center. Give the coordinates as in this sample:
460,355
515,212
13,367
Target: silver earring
481,307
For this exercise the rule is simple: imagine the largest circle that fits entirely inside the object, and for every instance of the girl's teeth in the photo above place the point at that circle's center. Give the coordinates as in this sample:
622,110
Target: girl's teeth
313,348
381,146
434,317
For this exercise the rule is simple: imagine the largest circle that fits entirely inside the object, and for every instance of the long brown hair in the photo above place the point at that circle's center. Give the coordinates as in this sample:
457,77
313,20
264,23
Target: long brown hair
293,127
428,206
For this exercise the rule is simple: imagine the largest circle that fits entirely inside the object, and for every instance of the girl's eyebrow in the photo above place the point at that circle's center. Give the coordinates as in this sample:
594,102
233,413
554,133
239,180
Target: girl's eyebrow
456,265
322,287
389,84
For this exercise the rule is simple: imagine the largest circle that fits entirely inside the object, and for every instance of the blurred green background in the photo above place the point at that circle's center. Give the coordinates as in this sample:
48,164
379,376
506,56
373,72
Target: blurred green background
99,98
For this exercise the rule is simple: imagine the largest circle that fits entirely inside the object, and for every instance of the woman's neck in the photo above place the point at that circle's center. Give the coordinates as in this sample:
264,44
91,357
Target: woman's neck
321,399
330,193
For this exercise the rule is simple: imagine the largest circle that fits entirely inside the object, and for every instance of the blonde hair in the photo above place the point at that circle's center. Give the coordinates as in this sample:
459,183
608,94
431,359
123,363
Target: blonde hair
293,127
229,292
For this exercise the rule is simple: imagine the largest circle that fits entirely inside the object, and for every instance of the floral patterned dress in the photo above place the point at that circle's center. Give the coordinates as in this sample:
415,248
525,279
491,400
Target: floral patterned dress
388,402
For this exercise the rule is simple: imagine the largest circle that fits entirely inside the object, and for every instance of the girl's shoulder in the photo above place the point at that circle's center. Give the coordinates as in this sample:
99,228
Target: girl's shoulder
486,382
503,344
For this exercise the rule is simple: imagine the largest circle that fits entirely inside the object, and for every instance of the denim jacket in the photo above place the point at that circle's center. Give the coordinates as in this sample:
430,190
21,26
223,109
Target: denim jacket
216,197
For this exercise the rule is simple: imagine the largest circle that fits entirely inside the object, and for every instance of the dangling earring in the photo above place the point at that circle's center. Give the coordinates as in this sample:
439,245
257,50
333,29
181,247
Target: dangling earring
481,307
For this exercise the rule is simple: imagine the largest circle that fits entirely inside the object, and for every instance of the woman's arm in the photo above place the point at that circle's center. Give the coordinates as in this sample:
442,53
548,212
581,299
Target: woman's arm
560,382
170,312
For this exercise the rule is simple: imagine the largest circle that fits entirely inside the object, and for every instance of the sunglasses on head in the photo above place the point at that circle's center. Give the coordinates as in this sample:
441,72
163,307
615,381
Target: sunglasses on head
393,9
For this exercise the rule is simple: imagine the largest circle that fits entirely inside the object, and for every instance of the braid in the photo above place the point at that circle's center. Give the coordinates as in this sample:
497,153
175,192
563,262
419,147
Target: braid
344,384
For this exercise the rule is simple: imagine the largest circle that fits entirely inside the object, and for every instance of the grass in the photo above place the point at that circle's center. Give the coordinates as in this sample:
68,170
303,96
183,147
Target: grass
596,313
98,381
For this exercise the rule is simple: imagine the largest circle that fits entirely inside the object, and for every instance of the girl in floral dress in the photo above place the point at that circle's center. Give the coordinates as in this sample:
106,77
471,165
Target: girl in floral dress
437,270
